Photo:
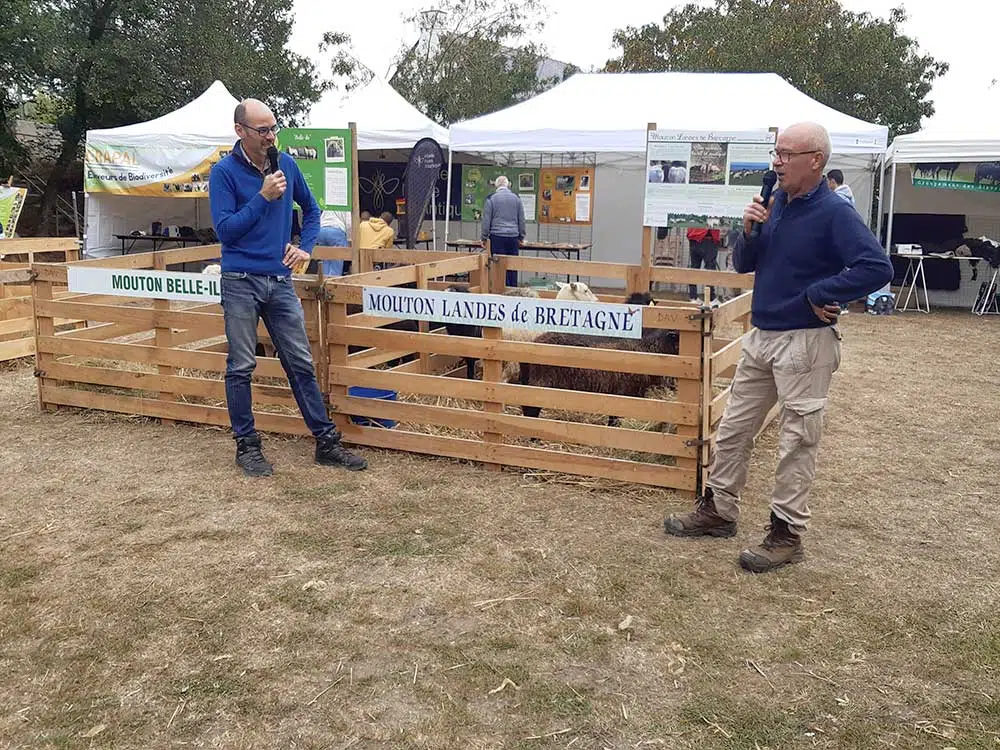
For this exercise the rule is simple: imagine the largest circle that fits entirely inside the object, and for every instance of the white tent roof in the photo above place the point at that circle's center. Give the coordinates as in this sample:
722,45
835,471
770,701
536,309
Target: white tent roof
959,135
962,143
608,112
207,120
384,119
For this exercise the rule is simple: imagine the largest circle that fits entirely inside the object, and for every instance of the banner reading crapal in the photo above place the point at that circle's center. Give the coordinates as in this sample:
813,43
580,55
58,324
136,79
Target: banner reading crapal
166,172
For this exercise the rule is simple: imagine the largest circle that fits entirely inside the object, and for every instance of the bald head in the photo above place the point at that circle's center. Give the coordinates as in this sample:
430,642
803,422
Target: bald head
802,151
256,127
251,109
812,136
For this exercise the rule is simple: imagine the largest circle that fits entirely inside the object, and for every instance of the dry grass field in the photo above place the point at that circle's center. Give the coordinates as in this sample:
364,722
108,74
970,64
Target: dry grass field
150,597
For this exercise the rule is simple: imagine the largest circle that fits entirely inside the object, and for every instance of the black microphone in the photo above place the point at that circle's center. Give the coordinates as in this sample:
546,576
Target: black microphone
272,158
767,185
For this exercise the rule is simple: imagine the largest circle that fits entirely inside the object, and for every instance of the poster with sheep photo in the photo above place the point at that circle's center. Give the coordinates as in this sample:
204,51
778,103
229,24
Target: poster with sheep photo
693,174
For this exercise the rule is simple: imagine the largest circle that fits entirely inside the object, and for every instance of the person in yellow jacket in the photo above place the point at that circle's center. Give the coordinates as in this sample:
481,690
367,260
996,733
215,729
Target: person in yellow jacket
376,232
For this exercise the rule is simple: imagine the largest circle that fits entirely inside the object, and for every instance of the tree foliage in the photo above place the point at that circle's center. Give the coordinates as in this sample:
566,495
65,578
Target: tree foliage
348,71
114,62
472,58
20,71
854,62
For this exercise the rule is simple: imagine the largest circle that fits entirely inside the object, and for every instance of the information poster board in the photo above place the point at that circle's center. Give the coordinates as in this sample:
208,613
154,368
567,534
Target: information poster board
325,159
695,178
11,201
983,177
478,183
567,195
162,171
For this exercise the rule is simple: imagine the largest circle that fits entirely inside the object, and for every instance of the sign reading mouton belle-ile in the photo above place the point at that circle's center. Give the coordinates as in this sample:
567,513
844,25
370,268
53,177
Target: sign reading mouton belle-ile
187,287
498,311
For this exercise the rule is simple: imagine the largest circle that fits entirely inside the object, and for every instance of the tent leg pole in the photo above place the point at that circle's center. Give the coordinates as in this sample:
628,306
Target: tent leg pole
892,203
447,202
881,195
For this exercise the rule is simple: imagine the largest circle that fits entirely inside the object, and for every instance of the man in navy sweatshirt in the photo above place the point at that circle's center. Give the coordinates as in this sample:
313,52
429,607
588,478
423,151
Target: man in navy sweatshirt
252,213
813,250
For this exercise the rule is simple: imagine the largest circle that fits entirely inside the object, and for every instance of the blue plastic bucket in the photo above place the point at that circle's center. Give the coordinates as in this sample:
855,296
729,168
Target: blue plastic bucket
359,392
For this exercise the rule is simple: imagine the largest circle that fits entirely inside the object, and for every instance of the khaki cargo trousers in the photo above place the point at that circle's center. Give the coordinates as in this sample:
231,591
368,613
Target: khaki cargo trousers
795,368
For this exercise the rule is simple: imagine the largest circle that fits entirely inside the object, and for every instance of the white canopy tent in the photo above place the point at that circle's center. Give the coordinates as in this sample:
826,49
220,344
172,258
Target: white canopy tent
204,123
606,114
944,143
385,120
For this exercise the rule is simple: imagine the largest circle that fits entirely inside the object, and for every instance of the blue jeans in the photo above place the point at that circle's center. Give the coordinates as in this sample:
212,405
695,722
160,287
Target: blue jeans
332,237
247,298
506,246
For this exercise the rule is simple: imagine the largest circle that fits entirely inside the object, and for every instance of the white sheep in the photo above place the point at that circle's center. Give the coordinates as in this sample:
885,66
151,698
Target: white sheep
576,290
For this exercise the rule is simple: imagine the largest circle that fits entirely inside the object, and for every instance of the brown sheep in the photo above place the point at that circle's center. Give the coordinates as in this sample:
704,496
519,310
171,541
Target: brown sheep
658,341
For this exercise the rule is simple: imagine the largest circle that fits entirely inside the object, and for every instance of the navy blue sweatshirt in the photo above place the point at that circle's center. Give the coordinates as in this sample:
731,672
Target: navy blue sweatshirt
815,249
254,231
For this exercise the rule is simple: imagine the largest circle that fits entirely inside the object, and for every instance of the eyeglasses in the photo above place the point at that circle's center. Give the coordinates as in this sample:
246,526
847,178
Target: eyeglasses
785,155
263,130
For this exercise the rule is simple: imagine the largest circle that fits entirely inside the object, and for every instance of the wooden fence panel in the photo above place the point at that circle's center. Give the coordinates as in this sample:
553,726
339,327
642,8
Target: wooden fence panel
168,361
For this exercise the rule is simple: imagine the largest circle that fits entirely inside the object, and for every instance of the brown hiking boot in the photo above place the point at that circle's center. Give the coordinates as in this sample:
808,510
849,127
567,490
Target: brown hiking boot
702,521
780,547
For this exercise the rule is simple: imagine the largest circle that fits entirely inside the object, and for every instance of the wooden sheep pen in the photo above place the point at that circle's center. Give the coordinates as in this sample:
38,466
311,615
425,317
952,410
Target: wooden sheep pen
152,356
165,359
665,442
17,329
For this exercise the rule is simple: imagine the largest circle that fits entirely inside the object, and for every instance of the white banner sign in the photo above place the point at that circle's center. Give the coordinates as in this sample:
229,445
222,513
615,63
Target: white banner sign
692,176
496,311
188,287
170,170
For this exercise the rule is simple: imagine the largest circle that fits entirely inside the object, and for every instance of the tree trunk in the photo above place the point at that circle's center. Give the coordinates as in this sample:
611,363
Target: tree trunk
46,212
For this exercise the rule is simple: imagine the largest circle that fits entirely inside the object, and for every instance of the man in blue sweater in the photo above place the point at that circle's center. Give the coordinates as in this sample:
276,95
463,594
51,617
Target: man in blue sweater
813,250
252,213
503,224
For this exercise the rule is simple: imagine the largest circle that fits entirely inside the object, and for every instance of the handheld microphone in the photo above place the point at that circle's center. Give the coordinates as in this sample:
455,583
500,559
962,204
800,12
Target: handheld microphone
272,158
767,185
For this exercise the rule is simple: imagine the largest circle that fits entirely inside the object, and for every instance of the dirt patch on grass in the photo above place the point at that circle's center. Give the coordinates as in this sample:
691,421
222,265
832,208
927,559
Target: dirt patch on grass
150,597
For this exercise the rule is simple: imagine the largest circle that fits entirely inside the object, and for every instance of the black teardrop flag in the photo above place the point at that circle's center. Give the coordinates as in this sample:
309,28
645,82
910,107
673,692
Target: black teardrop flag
422,173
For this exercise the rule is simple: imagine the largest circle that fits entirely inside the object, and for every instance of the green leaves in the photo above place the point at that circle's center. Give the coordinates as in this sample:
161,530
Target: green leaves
113,62
856,63
472,58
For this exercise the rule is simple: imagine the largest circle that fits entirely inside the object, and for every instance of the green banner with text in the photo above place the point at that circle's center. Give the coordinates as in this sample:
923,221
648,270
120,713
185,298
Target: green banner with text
983,176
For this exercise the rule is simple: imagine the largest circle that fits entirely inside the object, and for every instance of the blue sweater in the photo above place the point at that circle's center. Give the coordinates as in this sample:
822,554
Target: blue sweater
815,249
254,231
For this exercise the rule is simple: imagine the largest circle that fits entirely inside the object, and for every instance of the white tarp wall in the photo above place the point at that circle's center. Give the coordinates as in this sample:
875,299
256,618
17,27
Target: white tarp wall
607,114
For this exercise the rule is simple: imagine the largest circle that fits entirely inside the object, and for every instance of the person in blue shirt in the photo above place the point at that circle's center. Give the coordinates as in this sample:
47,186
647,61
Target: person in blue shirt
252,214
331,234
813,250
